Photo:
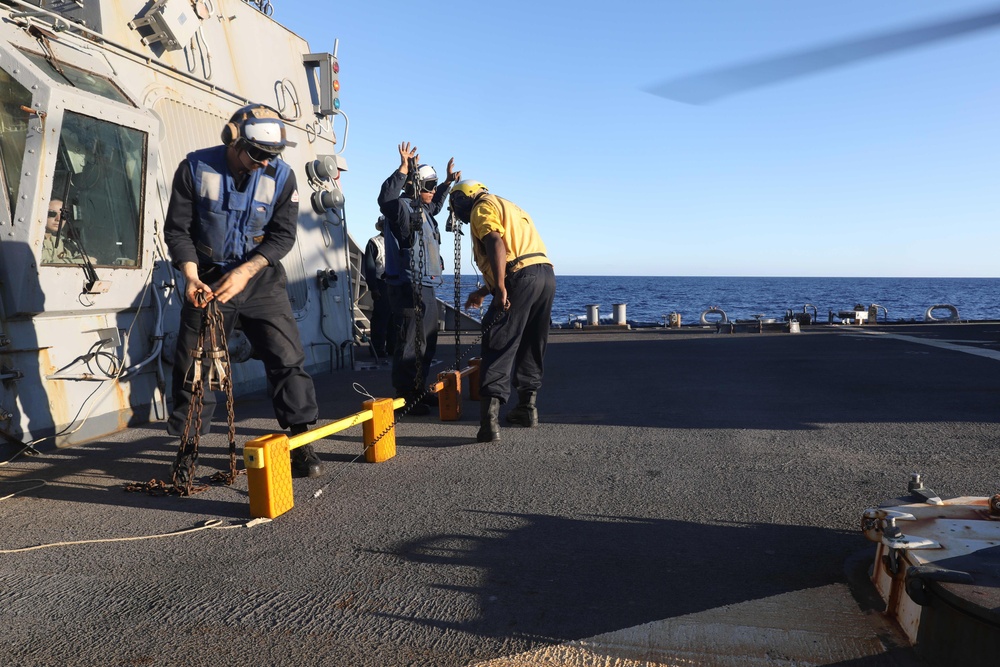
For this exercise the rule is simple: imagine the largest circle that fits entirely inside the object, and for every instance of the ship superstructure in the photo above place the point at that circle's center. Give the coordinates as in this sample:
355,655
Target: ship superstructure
101,99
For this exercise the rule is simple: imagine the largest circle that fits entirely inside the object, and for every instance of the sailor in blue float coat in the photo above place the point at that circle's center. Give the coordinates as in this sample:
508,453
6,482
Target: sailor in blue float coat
233,215
413,258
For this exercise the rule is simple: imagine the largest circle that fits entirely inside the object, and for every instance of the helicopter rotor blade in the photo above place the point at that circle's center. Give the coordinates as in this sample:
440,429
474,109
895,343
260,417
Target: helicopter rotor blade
715,84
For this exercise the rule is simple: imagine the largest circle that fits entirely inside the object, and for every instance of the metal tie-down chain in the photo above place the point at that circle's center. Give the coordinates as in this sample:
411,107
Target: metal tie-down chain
405,410
210,371
423,391
426,390
417,285
456,228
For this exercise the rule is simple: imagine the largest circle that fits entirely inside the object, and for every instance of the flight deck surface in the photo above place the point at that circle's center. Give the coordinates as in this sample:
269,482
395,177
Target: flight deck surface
689,498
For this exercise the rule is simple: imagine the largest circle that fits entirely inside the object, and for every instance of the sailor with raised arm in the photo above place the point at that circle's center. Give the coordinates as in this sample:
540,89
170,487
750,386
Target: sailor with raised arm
409,200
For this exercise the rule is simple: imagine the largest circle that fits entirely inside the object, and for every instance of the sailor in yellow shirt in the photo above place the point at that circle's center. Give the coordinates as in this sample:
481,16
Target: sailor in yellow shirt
513,259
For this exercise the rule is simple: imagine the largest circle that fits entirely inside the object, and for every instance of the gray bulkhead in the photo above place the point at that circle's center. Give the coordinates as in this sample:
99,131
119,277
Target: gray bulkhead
87,334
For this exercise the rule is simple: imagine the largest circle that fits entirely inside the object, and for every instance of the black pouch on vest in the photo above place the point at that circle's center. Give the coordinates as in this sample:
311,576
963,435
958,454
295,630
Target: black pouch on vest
210,274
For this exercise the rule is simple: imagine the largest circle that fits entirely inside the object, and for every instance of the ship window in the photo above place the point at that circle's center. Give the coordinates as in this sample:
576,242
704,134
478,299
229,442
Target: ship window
13,132
78,78
96,194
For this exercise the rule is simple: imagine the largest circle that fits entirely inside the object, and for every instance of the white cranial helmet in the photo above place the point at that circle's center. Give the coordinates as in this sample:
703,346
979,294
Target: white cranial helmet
426,173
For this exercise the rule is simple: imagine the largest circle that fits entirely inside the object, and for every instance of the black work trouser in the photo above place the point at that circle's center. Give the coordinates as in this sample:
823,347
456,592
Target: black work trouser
265,316
405,378
514,341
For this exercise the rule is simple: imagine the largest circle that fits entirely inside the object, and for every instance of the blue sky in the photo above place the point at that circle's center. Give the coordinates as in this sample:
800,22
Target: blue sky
886,168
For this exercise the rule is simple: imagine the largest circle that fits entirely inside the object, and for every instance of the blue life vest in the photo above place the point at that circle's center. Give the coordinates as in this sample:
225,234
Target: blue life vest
230,222
401,263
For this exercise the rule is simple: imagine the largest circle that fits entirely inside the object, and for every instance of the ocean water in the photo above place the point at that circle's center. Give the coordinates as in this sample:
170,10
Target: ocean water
650,299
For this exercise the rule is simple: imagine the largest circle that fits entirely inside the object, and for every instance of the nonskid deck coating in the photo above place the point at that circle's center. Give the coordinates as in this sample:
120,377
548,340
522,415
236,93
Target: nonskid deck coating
676,477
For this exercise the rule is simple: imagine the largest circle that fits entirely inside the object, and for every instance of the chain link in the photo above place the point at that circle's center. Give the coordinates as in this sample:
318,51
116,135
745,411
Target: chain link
426,390
457,231
211,370
211,367
230,408
417,284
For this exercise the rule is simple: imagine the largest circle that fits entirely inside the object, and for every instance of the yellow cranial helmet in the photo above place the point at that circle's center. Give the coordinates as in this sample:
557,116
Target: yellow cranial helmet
468,188
463,198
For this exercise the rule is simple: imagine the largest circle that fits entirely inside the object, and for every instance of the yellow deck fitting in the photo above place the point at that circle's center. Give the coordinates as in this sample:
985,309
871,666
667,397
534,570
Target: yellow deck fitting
449,390
450,396
382,419
269,475
269,464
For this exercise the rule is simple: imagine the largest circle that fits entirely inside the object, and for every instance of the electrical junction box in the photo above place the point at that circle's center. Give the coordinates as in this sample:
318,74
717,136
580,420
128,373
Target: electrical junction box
173,22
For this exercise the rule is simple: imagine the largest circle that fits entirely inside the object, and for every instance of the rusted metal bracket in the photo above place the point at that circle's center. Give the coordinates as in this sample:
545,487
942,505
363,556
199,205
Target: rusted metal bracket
920,492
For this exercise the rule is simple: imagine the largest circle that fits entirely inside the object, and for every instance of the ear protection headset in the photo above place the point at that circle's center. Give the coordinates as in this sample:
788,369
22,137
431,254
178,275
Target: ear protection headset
233,130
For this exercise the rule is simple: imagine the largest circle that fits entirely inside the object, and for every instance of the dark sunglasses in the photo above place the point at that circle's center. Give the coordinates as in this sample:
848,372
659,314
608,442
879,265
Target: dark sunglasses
429,186
53,214
257,155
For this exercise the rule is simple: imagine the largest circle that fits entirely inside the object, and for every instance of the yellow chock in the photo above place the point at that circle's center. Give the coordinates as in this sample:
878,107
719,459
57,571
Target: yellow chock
474,364
450,396
269,475
382,423
269,463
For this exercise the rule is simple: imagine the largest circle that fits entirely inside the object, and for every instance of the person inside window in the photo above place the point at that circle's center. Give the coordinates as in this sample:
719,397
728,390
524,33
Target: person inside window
59,245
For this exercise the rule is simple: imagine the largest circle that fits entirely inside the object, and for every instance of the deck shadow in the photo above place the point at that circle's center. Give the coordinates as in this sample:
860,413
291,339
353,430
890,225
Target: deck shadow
553,579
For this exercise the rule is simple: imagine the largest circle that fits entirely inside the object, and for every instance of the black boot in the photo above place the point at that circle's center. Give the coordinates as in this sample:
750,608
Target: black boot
182,470
525,414
305,462
489,420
